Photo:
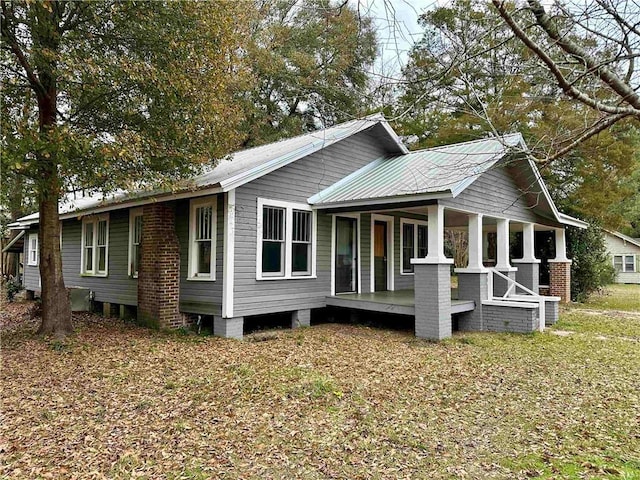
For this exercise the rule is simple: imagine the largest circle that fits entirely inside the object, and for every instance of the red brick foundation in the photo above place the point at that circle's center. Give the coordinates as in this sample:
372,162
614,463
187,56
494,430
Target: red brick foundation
560,280
159,270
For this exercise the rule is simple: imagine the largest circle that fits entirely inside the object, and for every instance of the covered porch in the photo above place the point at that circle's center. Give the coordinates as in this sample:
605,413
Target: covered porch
389,226
398,302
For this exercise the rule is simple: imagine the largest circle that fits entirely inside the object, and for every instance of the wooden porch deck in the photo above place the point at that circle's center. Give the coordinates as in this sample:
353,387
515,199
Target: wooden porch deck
400,302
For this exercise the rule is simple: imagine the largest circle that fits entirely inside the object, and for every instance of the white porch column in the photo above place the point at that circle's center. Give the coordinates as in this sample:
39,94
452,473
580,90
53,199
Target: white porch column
528,250
561,246
475,245
502,260
436,235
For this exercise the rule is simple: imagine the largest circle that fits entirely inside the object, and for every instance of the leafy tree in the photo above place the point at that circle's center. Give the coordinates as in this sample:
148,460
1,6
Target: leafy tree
590,50
310,58
110,94
468,78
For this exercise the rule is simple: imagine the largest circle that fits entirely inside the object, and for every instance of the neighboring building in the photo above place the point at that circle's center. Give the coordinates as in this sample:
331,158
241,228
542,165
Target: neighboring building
625,256
341,215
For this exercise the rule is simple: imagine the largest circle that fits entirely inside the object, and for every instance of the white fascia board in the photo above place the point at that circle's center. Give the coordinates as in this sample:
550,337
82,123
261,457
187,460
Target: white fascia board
365,202
329,190
394,136
572,221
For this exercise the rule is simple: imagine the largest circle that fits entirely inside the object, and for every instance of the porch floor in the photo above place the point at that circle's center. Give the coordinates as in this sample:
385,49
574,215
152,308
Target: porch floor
401,302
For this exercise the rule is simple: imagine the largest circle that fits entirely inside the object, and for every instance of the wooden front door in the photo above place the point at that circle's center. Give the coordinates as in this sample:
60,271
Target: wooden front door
380,256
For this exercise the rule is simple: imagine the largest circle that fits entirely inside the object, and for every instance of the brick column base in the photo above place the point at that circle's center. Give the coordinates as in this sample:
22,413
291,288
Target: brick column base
560,279
159,269
432,284
472,286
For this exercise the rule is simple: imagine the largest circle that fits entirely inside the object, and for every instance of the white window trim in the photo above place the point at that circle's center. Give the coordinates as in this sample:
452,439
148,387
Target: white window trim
389,220
333,250
193,259
133,213
624,264
32,263
288,207
94,219
415,224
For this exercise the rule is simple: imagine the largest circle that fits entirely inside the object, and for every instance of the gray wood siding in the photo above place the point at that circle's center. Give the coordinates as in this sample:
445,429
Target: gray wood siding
365,253
118,286
295,183
495,193
204,297
31,275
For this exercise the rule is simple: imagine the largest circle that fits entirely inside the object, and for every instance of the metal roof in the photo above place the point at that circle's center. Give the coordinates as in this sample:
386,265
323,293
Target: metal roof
440,172
233,171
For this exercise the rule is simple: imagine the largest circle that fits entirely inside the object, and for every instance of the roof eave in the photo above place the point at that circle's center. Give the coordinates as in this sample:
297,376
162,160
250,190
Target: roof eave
377,201
624,237
571,221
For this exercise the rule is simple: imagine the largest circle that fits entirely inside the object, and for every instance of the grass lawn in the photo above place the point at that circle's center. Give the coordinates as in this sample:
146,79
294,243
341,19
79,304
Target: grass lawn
331,401
615,297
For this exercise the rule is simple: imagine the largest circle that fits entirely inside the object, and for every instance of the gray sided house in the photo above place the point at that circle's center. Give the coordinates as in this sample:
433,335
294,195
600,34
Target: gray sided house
625,256
343,217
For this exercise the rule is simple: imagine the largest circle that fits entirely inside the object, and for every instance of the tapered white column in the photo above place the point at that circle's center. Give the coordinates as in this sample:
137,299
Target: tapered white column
475,245
502,254
436,235
561,246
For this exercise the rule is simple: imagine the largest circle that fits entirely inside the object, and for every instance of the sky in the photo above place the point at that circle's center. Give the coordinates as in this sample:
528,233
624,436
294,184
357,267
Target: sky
398,29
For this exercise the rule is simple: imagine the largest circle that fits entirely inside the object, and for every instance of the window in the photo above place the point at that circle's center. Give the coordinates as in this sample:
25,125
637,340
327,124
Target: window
202,236
286,245
32,246
273,241
95,245
301,243
624,263
414,242
135,239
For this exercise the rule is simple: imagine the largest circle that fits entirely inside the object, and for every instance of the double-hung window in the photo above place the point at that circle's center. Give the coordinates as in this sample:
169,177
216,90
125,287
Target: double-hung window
624,263
32,249
95,245
286,240
414,243
135,241
202,239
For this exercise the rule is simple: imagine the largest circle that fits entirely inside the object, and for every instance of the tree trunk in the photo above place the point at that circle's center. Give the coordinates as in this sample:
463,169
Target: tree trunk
56,307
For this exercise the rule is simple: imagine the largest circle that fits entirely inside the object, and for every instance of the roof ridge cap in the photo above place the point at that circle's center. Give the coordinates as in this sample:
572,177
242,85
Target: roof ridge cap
467,142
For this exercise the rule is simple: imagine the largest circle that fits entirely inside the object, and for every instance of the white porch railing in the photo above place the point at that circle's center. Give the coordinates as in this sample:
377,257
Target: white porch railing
510,295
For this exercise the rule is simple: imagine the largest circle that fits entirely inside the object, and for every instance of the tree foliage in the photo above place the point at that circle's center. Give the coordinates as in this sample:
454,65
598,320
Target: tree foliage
590,50
310,59
468,78
105,95
591,267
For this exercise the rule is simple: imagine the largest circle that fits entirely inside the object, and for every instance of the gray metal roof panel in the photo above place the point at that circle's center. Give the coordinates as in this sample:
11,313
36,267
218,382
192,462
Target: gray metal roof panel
449,168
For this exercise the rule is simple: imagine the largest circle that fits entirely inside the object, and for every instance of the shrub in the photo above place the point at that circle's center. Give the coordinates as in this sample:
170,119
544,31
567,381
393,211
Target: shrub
591,268
13,287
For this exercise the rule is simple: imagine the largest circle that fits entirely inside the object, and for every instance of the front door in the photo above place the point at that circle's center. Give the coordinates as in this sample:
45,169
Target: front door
346,255
380,256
